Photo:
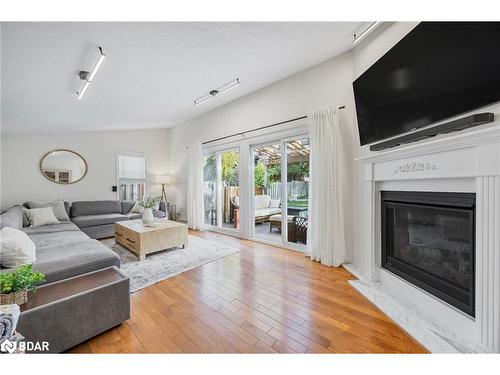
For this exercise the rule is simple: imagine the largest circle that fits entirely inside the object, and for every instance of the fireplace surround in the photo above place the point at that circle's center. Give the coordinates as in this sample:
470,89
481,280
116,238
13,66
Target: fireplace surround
428,239
465,163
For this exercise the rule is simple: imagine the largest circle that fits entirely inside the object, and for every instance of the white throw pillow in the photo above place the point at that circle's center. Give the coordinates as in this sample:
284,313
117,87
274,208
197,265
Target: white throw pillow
137,209
41,216
16,248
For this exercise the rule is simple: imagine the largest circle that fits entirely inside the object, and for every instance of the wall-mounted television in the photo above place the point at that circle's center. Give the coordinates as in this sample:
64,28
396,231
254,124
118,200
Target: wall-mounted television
438,70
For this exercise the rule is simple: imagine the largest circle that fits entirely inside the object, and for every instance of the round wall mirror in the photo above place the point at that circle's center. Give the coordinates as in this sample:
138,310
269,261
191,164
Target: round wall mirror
63,166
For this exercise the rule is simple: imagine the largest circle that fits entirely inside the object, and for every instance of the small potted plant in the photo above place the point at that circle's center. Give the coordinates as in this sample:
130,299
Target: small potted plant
14,286
148,203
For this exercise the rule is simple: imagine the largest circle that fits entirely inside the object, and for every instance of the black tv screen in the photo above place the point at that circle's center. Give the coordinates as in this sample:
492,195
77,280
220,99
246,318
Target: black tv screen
437,71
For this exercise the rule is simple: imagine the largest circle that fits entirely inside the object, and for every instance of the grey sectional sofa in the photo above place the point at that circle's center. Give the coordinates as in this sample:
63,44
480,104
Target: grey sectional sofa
70,248
97,218
62,250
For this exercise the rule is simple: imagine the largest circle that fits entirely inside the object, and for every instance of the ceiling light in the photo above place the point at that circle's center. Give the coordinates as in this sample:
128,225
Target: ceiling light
358,37
89,76
213,93
82,91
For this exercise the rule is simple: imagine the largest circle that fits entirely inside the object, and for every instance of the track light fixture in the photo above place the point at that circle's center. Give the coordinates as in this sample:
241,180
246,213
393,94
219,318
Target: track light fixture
89,76
358,37
213,93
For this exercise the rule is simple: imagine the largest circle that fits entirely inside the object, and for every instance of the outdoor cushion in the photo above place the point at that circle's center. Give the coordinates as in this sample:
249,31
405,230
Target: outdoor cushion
262,201
275,203
80,208
267,212
278,218
63,261
93,220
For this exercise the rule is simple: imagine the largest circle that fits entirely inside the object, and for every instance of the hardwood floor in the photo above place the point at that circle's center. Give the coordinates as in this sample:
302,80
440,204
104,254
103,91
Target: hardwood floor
261,300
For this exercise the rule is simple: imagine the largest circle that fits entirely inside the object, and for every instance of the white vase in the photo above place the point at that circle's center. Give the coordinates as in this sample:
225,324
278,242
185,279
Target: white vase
147,216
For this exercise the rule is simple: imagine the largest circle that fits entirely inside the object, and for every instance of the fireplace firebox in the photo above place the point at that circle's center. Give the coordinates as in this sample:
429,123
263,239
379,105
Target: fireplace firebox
428,239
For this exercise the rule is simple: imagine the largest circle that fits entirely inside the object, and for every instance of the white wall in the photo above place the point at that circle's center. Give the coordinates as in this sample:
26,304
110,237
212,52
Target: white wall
316,88
22,179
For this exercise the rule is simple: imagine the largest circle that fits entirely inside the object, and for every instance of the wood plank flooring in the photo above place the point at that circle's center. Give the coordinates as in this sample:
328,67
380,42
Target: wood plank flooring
261,300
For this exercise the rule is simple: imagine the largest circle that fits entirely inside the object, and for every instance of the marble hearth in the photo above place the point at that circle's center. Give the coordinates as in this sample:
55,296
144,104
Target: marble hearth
467,162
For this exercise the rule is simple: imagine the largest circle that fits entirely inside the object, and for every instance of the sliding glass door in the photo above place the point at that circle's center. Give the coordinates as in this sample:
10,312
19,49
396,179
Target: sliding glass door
267,203
297,189
221,189
280,185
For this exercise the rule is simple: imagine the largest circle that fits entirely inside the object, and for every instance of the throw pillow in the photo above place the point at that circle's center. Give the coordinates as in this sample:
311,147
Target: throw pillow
275,203
16,248
58,207
137,209
41,216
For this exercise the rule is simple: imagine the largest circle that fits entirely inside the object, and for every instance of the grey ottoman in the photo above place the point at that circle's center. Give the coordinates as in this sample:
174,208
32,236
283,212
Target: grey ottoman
68,312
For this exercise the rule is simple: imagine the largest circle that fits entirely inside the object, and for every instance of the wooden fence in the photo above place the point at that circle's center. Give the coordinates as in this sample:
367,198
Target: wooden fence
295,189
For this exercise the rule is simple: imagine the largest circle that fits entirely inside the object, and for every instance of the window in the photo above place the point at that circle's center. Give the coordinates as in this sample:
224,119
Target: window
131,176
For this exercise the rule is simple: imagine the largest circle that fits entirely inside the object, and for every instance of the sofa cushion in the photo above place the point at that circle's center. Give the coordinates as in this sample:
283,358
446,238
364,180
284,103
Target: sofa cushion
58,207
261,201
41,216
137,209
127,206
57,238
93,220
159,213
16,218
80,208
134,215
10,219
51,228
61,261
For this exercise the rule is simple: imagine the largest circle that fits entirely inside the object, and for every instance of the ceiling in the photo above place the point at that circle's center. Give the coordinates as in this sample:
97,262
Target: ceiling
153,71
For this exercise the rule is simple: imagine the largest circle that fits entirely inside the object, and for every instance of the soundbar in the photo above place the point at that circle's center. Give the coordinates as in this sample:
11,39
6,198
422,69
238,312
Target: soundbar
448,127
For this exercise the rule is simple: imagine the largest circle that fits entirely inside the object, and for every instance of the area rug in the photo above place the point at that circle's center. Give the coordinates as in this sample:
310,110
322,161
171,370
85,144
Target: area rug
162,265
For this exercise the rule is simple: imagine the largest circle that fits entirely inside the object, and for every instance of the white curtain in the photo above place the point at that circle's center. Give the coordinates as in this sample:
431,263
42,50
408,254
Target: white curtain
326,236
195,187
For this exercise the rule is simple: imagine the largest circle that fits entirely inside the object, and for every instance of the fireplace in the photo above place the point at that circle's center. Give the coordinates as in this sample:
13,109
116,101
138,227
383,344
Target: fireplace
428,239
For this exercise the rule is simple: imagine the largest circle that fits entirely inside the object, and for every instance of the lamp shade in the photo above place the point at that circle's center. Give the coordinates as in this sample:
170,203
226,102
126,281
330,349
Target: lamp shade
163,179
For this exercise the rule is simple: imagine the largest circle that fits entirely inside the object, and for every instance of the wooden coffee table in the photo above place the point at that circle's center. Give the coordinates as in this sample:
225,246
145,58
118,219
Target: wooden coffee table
144,240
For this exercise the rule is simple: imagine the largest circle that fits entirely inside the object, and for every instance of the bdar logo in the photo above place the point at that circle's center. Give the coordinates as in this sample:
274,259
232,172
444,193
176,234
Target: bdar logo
8,346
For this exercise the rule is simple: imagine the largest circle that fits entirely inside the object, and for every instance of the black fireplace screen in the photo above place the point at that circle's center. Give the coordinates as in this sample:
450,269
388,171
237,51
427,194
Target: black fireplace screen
428,239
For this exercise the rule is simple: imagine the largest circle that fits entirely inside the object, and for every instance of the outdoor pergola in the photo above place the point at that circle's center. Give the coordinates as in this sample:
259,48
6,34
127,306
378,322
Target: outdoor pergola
298,150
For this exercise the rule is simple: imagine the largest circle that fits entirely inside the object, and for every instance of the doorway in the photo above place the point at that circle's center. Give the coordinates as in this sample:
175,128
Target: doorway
280,185
221,191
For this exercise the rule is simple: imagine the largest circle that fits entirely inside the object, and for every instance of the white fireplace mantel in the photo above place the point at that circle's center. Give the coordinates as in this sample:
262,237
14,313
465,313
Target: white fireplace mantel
467,161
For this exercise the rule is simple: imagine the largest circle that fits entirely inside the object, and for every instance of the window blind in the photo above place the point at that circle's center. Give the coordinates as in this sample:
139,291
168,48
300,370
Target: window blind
132,167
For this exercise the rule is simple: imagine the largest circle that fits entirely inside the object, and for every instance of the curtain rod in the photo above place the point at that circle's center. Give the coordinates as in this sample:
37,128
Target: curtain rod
260,128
